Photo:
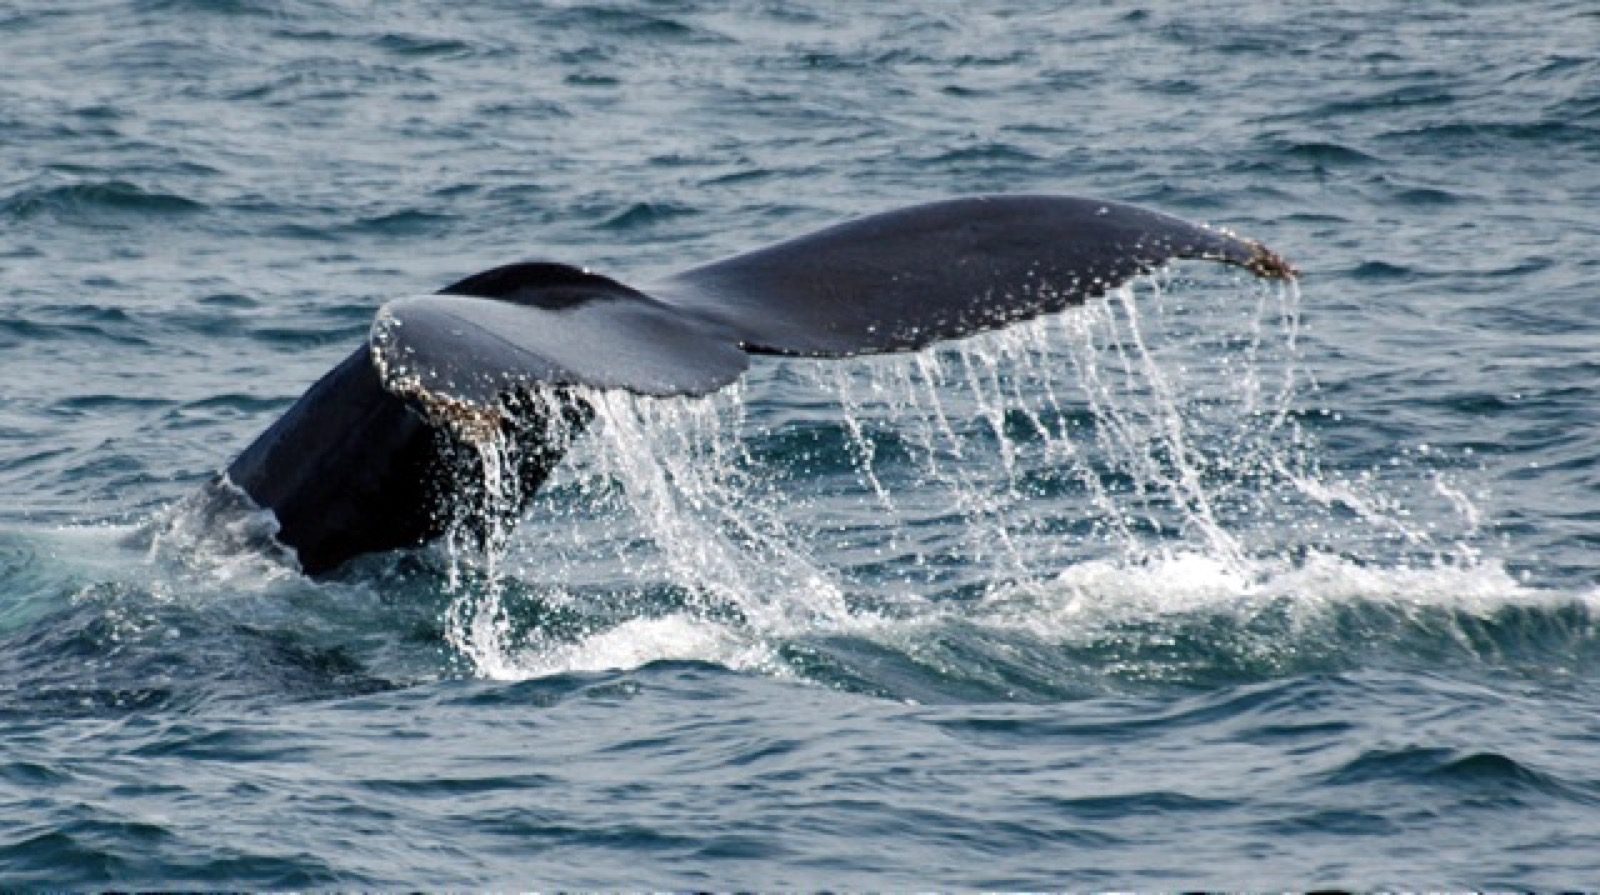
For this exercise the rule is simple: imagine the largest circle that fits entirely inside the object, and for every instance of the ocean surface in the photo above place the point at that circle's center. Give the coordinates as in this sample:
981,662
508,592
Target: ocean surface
1210,583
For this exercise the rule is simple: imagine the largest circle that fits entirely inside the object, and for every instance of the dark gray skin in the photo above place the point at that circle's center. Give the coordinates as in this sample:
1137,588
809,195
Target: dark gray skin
362,463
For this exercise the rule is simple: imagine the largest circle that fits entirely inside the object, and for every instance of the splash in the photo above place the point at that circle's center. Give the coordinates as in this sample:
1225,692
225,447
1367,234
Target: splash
1151,443
217,534
485,461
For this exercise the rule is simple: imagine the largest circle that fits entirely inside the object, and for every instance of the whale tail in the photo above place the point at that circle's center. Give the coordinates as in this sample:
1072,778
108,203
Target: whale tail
361,463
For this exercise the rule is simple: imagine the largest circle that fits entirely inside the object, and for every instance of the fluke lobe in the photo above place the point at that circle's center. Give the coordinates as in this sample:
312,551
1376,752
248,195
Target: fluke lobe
357,464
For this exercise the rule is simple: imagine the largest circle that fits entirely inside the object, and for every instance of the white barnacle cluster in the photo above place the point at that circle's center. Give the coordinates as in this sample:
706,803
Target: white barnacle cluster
389,355
475,423
393,360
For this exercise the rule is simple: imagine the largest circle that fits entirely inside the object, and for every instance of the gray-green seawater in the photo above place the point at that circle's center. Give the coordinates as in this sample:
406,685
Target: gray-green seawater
1209,584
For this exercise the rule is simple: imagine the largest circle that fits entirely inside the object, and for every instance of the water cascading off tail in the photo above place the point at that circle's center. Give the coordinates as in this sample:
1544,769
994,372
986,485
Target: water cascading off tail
1159,429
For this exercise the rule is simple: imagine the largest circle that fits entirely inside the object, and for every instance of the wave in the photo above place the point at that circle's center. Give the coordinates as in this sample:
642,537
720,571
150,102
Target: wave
1185,622
89,200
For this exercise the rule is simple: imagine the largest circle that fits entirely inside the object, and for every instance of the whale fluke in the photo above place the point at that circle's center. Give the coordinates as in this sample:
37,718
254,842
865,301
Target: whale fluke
355,465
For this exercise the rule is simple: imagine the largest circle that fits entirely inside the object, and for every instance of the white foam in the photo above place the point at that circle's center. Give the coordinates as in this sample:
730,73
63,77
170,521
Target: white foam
216,536
630,645
1185,583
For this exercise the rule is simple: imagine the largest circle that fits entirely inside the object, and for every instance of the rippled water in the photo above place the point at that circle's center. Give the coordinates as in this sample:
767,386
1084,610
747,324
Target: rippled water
1210,584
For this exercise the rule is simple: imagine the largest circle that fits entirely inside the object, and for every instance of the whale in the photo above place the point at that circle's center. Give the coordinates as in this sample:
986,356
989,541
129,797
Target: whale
367,460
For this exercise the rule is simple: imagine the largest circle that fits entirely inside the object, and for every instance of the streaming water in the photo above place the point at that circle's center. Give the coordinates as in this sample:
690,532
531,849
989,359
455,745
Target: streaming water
1154,436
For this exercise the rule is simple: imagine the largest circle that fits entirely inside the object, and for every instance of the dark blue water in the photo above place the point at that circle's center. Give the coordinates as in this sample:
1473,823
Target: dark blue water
1211,584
